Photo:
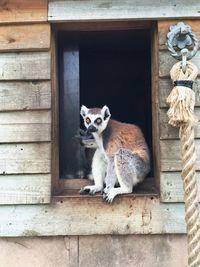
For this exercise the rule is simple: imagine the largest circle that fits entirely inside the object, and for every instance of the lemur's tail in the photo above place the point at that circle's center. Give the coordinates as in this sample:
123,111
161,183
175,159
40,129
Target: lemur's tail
129,166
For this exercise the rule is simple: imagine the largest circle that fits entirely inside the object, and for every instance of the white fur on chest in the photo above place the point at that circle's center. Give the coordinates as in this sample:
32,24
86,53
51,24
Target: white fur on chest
99,142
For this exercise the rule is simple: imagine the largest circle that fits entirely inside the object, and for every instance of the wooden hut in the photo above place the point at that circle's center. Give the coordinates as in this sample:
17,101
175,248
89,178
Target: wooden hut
91,50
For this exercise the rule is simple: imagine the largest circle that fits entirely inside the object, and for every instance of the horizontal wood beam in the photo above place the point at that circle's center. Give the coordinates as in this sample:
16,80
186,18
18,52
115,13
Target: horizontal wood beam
25,126
89,216
169,132
25,95
25,189
61,10
166,62
171,187
25,158
25,66
16,11
171,155
29,37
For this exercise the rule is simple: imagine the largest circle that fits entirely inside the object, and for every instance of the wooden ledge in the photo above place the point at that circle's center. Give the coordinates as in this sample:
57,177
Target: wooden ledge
72,188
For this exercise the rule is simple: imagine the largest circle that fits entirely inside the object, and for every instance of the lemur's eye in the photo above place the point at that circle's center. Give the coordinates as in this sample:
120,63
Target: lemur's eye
98,121
87,120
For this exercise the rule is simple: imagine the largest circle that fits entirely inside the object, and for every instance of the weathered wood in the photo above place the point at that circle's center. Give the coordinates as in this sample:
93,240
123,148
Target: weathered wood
25,95
171,155
25,126
171,187
23,11
169,132
166,62
155,104
165,87
163,29
61,10
103,25
89,216
25,37
25,66
25,158
25,189
55,117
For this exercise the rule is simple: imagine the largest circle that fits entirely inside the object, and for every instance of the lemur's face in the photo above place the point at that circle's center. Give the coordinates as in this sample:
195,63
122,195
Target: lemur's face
95,119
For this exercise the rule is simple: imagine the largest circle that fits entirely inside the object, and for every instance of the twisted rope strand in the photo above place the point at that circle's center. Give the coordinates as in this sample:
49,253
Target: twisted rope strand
181,114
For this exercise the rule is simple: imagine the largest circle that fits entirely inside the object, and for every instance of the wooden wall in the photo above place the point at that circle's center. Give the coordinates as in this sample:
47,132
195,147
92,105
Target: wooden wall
25,102
170,179
26,136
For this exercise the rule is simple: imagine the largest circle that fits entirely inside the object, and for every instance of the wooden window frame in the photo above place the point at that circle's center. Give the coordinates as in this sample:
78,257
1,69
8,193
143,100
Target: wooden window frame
58,184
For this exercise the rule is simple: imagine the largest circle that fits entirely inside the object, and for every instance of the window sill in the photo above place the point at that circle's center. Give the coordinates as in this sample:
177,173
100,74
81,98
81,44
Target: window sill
71,188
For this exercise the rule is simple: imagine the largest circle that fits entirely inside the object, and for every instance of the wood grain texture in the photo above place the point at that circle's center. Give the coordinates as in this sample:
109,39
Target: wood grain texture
25,126
89,216
169,132
25,158
171,155
25,189
165,87
61,10
166,62
12,11
155,104
29,37
25,95
25,66
171,187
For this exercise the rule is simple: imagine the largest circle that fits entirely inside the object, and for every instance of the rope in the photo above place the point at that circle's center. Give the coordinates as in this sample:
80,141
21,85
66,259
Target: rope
181,114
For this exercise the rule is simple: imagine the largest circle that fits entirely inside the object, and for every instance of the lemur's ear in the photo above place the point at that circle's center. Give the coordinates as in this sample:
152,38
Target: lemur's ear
105,112
84,111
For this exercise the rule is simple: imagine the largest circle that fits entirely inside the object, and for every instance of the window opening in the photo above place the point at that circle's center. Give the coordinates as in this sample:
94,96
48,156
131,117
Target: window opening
98,68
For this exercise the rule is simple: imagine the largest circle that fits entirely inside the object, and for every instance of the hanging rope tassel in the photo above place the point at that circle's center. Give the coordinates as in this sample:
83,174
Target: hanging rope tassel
181,114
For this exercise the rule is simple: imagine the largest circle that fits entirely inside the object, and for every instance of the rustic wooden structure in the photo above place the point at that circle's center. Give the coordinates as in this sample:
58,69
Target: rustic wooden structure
29,184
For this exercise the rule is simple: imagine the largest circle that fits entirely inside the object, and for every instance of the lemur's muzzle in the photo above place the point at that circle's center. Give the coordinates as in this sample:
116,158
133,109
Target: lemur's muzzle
92,129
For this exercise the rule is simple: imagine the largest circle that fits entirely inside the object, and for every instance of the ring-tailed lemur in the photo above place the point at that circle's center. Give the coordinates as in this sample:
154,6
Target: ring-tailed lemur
121,156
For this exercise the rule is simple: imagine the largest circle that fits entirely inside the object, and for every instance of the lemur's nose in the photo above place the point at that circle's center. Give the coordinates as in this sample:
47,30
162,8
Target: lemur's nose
92,129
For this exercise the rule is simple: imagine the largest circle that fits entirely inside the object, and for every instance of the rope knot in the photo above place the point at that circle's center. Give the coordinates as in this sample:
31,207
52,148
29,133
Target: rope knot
182,97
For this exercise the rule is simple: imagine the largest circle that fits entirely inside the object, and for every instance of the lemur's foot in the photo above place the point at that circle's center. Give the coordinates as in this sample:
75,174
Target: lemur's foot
110,195
90,189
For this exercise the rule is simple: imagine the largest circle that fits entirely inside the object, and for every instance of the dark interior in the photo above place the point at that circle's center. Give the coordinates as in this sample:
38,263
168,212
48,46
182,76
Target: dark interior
98,68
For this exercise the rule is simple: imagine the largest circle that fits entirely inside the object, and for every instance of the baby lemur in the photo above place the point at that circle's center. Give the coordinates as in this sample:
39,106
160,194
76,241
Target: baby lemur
121,156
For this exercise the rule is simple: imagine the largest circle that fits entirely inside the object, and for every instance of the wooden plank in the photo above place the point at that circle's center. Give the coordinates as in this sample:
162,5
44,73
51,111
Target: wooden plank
166,62
103,25
23,189
25,95
25,126
61,10
171,155
90,216
25,158
23,11
25,37
25,66
163,29
171,187
169,132
155,103
165,87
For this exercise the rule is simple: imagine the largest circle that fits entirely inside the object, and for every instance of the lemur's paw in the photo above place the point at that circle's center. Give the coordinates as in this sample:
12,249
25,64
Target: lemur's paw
110,195
90,189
